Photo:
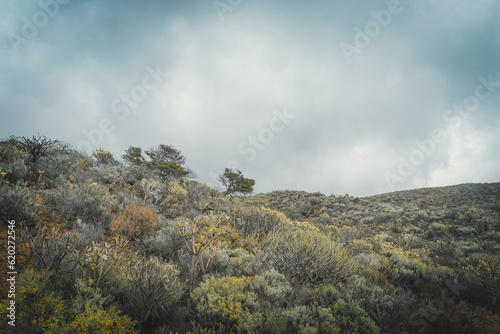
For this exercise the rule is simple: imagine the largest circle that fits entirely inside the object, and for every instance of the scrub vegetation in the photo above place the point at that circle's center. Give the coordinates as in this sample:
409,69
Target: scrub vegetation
137,245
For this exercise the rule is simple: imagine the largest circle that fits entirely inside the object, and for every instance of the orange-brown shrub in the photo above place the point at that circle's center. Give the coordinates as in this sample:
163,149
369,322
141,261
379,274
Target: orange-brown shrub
135,221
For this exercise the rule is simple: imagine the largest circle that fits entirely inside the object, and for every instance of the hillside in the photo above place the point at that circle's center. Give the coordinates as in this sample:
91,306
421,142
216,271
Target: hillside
142,247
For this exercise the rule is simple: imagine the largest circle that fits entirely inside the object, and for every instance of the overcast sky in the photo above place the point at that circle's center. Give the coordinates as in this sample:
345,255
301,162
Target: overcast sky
357,97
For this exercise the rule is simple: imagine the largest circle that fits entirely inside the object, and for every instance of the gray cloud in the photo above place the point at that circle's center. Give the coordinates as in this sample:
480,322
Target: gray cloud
354,122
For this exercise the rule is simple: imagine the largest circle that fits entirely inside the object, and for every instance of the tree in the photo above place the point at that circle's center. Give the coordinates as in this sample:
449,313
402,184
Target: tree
36,147
235,182
166,162
133,156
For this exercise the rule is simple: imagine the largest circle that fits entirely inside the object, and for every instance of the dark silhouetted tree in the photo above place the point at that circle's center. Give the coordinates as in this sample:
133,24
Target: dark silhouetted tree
36,147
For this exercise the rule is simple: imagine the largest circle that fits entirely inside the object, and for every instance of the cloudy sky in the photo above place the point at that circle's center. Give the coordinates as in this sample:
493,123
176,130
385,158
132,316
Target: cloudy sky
357,97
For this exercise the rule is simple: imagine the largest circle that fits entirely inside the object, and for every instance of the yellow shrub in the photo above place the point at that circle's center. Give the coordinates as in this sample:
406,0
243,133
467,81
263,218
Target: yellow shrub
37,309
102,321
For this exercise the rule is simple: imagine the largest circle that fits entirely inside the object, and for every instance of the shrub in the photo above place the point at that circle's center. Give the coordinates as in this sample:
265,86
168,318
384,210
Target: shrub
410,269
221,304
165,243
88,233
99,259
349,315
87,295
272,288
95,320
466,248
61,164
16,203
11,151
387,306
238,262
304,319
167,198
257,222
200,238
14,170
106,174
136,221
47,249
346,234
254,305
202,198
308,258
149,287
104,157
466,231
89,203
139,172
464,319
485,271
38,310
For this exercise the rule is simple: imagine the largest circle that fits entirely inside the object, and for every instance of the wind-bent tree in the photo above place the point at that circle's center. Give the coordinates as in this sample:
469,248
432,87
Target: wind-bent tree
133,156
235,182
166,162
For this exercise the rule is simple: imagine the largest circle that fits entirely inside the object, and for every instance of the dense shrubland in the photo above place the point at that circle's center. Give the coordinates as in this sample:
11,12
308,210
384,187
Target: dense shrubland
111,247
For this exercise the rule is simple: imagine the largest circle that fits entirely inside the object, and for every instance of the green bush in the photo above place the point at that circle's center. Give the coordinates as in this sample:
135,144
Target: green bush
87,295
387,306
272,288
38,310
148,287
10,150
259,305
304,319
221,304
308,258
238,262
349,315
414,272
257,222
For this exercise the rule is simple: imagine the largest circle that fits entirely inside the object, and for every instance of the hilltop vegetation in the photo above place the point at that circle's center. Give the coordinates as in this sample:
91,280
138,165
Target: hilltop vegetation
140,246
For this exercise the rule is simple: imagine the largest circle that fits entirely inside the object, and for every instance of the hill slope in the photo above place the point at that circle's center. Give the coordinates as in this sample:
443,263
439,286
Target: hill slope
94,237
